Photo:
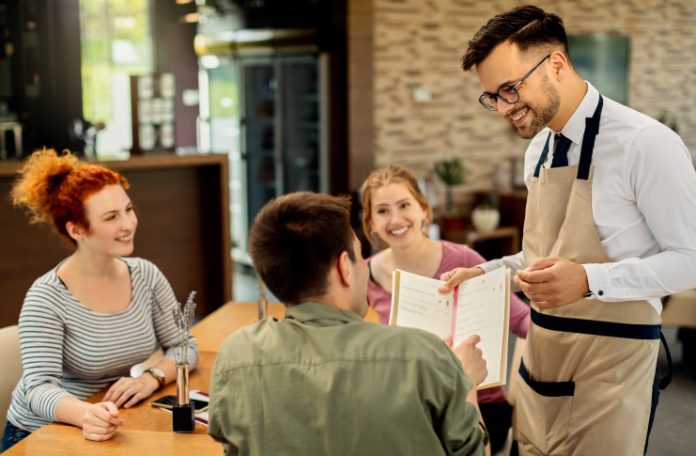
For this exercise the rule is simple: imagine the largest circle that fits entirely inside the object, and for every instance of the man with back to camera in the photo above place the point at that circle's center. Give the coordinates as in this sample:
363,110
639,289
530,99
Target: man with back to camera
609,229
322,381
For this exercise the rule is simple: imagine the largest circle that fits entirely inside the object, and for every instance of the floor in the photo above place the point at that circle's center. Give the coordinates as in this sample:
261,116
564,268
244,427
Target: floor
674,430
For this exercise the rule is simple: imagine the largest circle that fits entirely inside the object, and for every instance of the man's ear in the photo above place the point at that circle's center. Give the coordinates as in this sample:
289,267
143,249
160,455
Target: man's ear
559,64
75,231
344,267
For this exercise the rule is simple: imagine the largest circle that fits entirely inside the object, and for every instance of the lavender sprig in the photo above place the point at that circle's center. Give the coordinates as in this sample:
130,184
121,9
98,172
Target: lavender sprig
183,321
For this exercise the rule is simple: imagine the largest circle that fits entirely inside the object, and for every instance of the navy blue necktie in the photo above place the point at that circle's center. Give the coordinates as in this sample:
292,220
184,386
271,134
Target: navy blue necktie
561,144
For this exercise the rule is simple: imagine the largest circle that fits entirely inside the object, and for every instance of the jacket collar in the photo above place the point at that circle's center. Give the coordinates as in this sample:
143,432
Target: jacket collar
320,314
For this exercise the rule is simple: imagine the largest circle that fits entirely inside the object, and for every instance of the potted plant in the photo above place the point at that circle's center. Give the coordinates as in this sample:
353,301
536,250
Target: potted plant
486,216
451,172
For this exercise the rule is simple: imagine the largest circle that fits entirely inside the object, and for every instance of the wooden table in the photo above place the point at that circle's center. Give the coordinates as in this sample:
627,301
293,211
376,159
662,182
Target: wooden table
212,331
148,430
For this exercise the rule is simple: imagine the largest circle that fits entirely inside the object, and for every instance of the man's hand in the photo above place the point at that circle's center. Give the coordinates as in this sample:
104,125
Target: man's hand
128,391
553,282
473,363
457,276
100,421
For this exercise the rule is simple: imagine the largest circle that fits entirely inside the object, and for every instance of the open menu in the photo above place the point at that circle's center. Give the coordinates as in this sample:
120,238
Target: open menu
480,305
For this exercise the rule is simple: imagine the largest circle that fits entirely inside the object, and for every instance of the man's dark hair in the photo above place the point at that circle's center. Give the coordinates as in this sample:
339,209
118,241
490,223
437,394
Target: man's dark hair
526,26
296,238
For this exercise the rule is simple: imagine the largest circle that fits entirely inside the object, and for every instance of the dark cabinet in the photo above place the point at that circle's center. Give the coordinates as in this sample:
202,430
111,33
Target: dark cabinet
273,86
268,113
40,82
282,127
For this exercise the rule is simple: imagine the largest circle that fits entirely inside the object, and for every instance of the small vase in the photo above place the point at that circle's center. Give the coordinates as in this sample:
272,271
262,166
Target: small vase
485,219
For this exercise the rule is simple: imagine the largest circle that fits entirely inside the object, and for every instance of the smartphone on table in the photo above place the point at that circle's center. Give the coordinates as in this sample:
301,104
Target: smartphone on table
200,402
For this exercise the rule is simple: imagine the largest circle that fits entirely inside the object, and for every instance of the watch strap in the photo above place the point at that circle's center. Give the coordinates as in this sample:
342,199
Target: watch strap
158,374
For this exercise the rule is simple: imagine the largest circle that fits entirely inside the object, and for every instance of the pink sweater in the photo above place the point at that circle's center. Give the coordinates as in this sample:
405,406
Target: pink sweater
454,256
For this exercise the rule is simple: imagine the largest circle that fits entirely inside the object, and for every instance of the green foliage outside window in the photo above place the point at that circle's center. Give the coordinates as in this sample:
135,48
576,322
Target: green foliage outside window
116,39
224,95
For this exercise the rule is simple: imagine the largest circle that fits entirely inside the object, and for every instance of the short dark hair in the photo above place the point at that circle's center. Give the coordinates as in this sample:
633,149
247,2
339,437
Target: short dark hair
526,26
296,238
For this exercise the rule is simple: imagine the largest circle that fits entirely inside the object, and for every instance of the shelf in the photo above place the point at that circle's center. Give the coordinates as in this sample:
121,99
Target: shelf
502,241
503,232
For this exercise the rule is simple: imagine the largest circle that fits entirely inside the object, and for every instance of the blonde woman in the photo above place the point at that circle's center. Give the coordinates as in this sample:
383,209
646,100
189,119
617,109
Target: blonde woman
396,213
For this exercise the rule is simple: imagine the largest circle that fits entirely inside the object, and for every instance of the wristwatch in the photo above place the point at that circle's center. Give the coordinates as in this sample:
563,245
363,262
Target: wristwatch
158,374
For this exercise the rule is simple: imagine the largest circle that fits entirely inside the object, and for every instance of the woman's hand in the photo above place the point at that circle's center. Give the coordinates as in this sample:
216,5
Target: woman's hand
457,276
472,360
128,391
100,421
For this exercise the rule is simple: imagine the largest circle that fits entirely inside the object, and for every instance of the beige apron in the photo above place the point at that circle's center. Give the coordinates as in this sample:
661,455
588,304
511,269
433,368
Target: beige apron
587,373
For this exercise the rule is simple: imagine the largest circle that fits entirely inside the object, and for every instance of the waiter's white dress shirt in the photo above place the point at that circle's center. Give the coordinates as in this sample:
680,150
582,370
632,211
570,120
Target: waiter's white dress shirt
643,203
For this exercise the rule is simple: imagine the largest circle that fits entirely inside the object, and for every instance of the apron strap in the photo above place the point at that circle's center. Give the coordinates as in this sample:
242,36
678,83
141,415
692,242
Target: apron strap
588,142
596,327
542,158
667,379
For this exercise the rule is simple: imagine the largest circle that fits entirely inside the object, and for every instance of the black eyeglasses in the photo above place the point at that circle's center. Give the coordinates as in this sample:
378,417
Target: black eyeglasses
508,93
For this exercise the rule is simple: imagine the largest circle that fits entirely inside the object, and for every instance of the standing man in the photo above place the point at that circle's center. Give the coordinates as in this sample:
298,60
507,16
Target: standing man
322,381
609,229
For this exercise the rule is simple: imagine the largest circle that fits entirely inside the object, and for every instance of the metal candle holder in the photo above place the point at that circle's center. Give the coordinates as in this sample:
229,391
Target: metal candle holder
183,414
182,384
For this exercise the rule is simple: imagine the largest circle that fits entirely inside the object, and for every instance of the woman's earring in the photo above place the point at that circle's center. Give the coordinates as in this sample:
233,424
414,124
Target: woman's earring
424,225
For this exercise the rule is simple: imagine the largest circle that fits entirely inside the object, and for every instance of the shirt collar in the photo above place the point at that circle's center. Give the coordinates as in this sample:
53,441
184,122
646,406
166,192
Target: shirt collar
575,126
321,314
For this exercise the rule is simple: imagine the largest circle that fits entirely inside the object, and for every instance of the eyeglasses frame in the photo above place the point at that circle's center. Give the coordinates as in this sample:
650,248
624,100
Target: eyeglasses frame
512,87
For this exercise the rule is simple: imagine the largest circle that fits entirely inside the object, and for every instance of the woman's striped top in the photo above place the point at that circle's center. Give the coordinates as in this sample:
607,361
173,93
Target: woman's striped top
68,349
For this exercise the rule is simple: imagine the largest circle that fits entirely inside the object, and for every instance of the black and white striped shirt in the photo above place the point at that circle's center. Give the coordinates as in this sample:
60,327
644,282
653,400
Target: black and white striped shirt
68,349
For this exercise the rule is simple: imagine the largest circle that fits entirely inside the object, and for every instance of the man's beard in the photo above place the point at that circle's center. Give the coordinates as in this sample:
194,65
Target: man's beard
541,118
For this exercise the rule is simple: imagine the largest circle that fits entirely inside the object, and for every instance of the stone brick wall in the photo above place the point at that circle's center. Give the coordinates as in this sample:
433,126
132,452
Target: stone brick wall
417,47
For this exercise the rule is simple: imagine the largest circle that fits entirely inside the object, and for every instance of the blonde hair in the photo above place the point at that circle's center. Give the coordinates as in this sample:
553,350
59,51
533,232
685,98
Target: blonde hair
54,188
392,174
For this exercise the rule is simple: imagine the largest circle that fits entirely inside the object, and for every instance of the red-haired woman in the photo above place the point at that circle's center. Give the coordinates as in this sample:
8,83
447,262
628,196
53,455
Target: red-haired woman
85,322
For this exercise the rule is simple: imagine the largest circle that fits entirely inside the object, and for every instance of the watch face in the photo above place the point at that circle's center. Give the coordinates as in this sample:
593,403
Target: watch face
158,374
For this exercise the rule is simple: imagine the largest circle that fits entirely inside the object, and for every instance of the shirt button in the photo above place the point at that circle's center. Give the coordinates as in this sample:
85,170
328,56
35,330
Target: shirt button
588,294
600,292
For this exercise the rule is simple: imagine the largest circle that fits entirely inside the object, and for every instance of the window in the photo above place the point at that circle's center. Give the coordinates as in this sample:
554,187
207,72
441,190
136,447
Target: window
602,59
116,42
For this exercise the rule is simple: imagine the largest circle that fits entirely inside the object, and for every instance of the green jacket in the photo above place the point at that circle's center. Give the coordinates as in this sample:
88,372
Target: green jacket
323,382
